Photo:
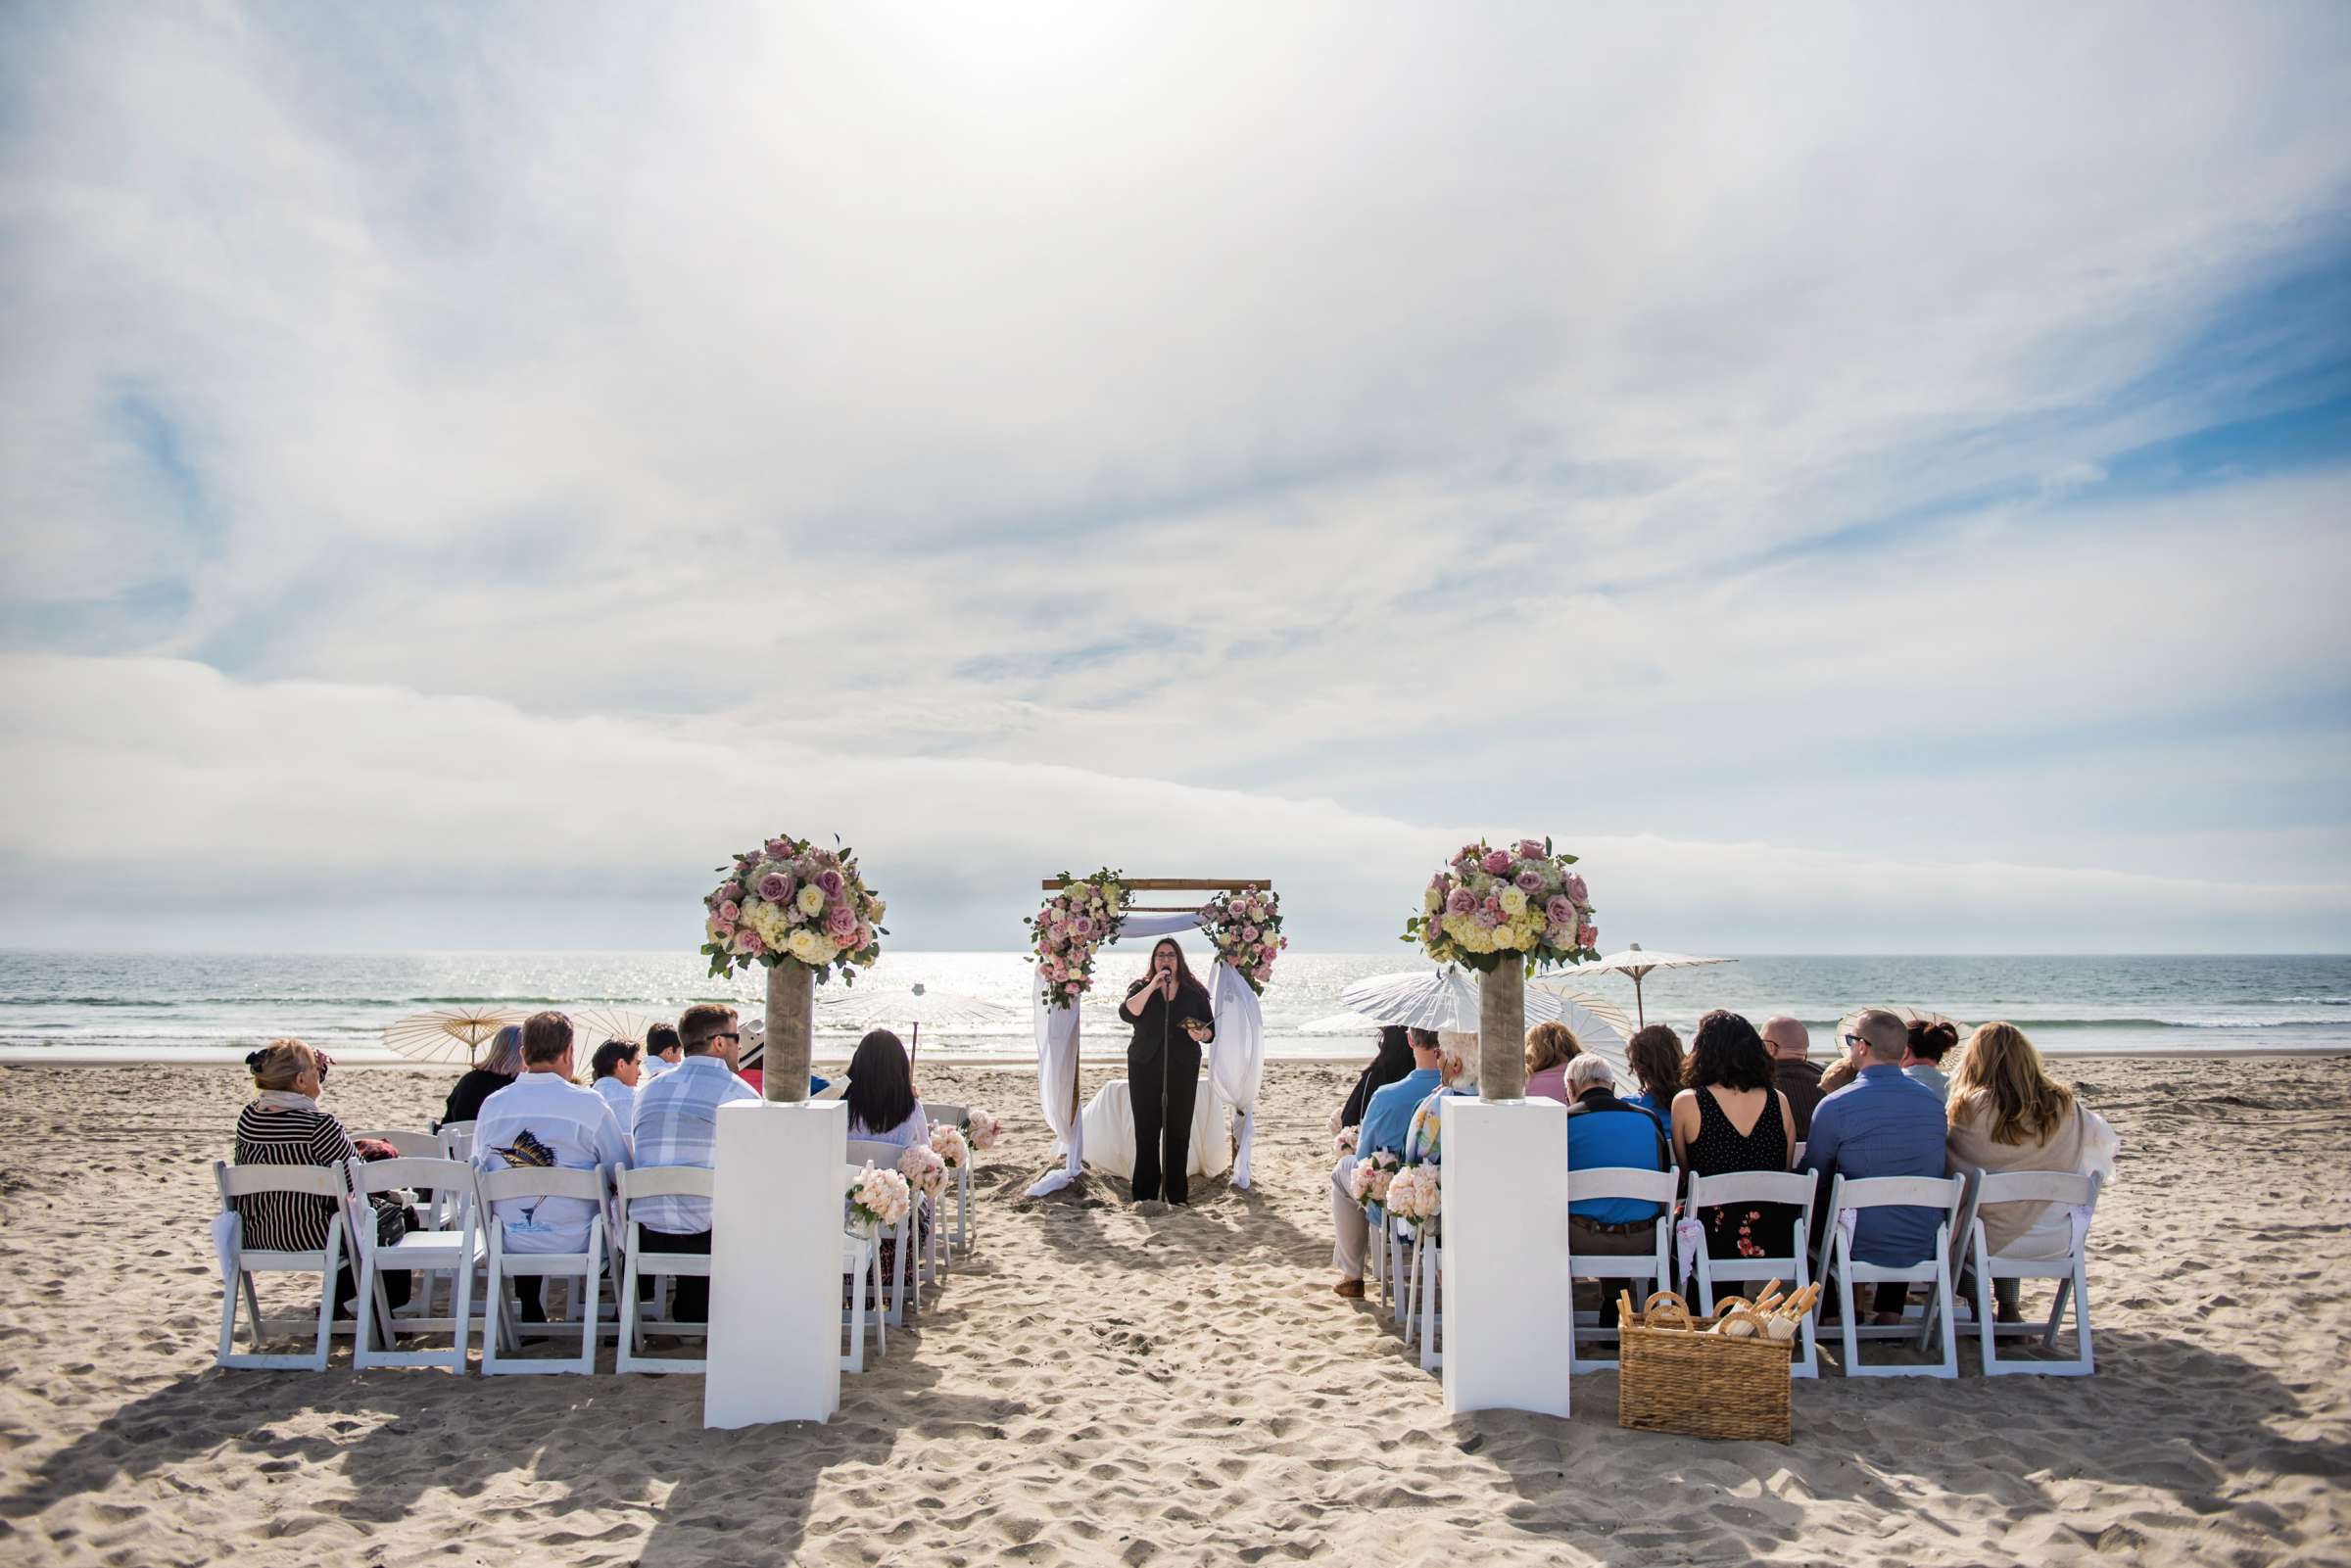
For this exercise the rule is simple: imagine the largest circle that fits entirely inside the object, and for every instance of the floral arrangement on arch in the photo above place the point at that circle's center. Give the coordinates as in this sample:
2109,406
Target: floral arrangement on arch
1521,899
982,1130
1245,930
790,900
949,1144
1370,1180
879,1198
925,1172
1415,1194
1072,927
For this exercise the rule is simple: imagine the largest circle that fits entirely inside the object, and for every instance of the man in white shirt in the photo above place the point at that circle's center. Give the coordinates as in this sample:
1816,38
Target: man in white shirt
543,1119
615,1073
677,1125
661,1049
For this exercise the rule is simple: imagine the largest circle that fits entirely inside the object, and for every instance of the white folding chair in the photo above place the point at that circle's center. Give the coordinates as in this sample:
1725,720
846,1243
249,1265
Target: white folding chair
455,1249
1742,1188
441,1212
503,1336
1660,1187
457,1140
655,1181
2076,1197
960,1119
908,1274
1840,1271
323,1183
1427,1274
861,1279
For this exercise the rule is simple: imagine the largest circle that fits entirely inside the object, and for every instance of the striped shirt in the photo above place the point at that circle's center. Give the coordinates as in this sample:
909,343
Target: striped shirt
288,1221
677,1125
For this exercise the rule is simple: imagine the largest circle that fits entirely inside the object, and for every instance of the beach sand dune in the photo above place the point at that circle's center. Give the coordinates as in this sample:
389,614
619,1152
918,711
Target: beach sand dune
1098,1386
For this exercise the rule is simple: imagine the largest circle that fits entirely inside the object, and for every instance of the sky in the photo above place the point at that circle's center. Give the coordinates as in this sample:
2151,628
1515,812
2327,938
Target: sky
1866,479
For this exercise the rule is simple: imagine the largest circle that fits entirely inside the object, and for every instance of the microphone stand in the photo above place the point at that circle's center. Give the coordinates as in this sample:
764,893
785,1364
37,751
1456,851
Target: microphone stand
1167,1046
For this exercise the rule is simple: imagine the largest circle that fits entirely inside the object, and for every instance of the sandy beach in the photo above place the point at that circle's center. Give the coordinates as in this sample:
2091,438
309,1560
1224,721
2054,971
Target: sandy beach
1098,1386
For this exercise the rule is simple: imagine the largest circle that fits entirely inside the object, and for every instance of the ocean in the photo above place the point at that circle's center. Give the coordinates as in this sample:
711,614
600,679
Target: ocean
195,1007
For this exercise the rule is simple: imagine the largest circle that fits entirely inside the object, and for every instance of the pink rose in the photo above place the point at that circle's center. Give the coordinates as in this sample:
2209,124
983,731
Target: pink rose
1493,904
775,886
841,923
1530,881
747,943
1577,893
829,880
778,848
1559,912
1497,861
730,910
1248,933
1076,987
1588,936
1461,902
1082,926
728,891
1530,849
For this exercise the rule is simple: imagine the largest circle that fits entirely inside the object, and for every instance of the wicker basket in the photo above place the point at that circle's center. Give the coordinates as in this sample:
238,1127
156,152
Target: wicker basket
1703,1384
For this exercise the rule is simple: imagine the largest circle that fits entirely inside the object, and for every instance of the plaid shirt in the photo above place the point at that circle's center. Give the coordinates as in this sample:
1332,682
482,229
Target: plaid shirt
677,1125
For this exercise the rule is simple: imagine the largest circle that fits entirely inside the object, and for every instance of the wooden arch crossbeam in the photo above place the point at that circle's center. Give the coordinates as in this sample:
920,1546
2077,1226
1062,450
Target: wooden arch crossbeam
1173,885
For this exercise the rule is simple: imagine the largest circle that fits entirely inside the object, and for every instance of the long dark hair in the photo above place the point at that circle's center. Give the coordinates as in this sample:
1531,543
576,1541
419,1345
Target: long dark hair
880,1092
1184,983
1727,1053
1654,1054
1394,1060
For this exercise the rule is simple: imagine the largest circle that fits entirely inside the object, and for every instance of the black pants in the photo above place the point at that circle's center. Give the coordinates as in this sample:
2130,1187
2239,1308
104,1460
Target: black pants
1162,1151
691,1301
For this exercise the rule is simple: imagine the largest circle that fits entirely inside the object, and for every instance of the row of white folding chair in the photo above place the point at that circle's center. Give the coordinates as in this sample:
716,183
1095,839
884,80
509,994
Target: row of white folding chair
321,1182
960,1119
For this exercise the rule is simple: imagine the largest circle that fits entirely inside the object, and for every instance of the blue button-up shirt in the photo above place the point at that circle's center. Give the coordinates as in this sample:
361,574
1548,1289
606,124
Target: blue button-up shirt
1389,1119
1882,1124
677,1125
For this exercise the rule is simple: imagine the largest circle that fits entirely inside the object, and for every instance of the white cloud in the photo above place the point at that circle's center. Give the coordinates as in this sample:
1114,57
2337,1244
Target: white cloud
317,802
1421,415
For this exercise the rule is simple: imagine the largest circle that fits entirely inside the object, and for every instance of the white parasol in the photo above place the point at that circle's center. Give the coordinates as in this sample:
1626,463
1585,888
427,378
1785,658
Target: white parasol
1638,964
451,1034
910,1007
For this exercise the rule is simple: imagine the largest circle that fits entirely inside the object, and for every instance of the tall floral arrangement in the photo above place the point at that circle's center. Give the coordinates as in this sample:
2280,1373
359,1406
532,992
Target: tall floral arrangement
1521,899
1245,930
1071,928
789,899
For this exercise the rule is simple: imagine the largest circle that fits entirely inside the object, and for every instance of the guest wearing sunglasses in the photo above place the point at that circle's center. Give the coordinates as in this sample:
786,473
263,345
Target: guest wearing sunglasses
677,1125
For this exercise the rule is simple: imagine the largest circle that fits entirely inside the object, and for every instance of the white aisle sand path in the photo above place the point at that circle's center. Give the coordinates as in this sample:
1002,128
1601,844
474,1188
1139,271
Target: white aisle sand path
1100,1385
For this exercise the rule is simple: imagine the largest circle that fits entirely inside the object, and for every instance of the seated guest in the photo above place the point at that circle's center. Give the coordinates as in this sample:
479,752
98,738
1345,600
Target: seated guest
1655,1057
615,1073
1790,1043
1548,1049
1881,1124
663,1050
1387,1123
882,1104
501,1061
677,1125
1457,1074
2007,1113
545,1120
1732,1118
282,1126
1924,1048
1603,1131
1392,1061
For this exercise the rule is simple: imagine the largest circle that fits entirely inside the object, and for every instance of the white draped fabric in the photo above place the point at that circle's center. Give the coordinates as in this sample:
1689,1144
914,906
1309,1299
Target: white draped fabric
1109,1130
1236,1058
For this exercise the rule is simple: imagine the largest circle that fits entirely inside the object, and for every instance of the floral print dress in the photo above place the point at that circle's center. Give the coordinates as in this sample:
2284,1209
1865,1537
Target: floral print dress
1756,1230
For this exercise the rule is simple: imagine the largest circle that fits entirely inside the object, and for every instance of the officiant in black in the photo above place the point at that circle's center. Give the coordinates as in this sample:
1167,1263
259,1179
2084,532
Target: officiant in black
1171,1018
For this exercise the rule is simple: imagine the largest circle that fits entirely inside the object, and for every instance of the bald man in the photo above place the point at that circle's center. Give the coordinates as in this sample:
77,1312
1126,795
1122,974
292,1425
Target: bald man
1790,1043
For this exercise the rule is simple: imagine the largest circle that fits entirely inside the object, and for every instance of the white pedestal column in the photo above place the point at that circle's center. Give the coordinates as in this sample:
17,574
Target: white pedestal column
1504,1295
775,1264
